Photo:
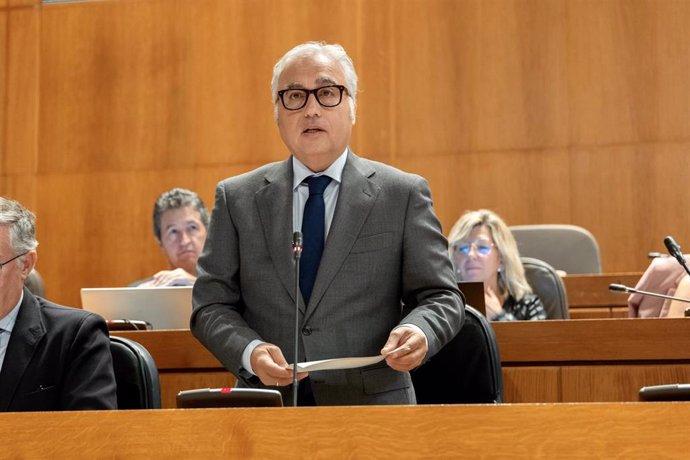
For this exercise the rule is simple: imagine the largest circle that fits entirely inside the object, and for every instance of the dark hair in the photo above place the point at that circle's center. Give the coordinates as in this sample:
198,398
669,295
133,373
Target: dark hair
175,199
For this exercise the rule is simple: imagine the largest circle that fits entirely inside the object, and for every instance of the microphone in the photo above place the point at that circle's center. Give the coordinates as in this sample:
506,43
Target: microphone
623,288
674,250
297,253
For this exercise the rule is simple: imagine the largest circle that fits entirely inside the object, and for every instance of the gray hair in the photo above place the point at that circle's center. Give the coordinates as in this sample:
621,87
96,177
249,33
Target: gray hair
335,51
512,279
175,199
21,223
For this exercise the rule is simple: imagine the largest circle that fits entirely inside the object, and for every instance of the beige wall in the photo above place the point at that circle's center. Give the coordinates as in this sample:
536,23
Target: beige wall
547,111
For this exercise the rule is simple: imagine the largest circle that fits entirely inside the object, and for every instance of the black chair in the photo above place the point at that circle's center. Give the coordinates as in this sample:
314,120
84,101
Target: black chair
467,370
34,282
548,285
136,375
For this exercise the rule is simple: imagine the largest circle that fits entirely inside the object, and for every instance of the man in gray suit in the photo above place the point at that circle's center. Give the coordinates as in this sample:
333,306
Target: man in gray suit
384,283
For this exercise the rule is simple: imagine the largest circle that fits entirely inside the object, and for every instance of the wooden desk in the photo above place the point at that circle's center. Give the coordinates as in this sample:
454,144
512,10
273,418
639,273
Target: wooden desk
543,361
591,360
548,431
589,295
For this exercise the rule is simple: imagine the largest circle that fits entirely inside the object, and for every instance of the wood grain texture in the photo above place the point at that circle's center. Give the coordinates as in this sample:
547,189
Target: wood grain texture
615,340
22,89
548,431
546,111
459,66
617,383
628,63
543,361
173,349
527,384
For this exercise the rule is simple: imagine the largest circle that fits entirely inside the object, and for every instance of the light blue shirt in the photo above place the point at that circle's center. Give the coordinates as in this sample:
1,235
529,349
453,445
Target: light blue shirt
6,326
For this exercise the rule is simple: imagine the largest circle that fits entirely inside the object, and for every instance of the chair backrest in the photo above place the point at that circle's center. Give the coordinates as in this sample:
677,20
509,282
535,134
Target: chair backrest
467,370
136,375
548,285
34,282
569,248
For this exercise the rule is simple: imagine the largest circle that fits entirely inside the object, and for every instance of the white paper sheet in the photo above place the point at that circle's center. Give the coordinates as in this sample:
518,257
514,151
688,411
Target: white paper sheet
338,363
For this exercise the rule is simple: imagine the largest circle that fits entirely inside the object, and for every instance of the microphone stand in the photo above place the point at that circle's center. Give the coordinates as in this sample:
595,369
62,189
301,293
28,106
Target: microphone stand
622,288
297,253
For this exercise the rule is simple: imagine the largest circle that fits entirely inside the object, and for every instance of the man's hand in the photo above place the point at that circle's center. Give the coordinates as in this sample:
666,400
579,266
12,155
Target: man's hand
405,349
178,277
270,366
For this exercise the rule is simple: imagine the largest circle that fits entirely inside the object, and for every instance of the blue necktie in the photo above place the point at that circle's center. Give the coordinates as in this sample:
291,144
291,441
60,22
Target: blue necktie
313,231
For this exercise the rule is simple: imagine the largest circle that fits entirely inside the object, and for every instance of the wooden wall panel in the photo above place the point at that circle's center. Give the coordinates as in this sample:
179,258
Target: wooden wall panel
157,85
629,63
479,76
374,132
630,197
21,92
19,39
532,384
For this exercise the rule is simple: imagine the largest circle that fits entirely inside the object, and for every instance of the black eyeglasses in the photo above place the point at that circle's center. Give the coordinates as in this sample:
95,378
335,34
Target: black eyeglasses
2,264
327,96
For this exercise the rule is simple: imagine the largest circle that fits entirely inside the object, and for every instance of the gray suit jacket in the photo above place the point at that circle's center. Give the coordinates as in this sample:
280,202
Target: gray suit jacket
385,262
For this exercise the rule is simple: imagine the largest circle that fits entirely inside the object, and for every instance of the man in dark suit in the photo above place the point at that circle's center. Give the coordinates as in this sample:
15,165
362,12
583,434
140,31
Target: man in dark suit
51,357
375,275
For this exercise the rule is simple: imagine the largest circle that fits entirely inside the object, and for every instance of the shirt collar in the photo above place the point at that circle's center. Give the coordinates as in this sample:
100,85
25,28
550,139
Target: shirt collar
301,172
7,323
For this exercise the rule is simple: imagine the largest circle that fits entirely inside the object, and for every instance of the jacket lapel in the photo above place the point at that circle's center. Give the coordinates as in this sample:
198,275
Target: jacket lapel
27,333
356,198
274,202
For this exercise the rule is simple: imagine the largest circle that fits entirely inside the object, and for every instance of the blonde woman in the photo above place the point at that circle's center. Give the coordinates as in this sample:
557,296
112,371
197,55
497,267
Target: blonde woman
483,249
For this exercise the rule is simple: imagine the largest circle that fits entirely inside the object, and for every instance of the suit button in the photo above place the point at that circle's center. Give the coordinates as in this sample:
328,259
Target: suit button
306,330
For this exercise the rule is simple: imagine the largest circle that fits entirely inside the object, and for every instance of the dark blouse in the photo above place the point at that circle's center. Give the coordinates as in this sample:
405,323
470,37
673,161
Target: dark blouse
529,307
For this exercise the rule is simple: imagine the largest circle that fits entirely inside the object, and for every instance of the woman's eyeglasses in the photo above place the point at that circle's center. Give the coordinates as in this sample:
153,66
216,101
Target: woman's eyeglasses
481,247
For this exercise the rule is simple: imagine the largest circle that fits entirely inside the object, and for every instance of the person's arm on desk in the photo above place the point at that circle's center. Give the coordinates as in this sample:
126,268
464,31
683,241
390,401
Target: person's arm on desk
176,277
677,308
